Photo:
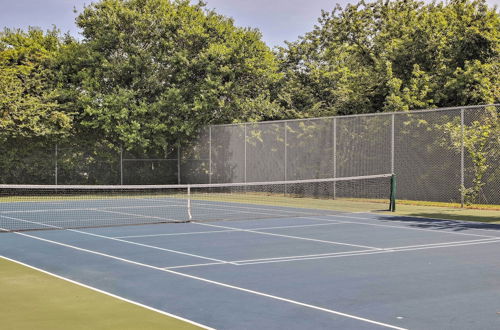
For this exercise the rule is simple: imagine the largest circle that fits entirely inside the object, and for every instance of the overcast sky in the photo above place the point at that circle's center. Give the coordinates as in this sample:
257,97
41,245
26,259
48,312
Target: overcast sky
278,20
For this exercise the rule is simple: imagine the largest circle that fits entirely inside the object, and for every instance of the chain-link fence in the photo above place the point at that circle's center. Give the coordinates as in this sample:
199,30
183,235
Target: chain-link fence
443,155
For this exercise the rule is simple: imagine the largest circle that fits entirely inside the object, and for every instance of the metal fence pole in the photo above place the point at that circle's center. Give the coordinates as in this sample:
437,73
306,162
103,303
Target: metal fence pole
392,142
462,160
210,154
285,126
334,157
55,169
121,165
178,163
245,156
286,151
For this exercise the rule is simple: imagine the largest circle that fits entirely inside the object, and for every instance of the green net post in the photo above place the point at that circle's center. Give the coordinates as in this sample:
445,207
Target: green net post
392,205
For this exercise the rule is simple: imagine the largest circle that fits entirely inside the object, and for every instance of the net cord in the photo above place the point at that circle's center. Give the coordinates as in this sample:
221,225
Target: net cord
190,186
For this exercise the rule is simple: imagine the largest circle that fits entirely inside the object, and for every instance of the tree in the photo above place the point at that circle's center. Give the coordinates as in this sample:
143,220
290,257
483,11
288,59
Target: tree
31,117
480,139
150,73
392,56
28,96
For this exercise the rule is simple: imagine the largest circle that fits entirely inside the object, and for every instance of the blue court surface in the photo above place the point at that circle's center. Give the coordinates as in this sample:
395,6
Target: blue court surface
327,271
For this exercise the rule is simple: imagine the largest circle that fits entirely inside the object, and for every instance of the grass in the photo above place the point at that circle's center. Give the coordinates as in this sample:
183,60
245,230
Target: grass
451,205
449,213
35,300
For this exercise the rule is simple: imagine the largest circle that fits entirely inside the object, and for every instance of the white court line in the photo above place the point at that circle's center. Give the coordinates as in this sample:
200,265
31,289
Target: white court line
151,246
105,210
284,210
88,220
195,265
108,294
444,243
279,210
142,216
474,242
245,262
236,229
394,250
249,261
289,236
258,293
351,254
121,240
243,230
230,230
176,234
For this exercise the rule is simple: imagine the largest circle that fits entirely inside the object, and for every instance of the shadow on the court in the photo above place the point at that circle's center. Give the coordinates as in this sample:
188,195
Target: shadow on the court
433,221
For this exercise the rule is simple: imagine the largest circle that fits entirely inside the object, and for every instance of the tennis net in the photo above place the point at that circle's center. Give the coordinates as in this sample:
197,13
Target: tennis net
38,207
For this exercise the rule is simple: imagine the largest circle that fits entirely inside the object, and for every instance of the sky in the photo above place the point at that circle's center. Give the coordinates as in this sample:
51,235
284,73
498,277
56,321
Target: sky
278,20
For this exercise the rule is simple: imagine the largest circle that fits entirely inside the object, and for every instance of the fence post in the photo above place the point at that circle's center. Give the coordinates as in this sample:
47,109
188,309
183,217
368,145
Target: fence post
462,160
55,168
392,142
210,154
178,163
245,156
286,151
334,157
285,126
121,165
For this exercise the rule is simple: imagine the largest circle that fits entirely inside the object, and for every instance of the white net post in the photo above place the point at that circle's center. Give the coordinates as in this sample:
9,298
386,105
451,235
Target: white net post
190,216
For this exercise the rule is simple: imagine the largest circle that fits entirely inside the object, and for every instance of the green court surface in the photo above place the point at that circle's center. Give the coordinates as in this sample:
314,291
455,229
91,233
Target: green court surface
34,300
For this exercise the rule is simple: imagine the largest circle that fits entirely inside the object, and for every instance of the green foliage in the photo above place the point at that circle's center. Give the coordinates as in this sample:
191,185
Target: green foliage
394,55
28,97
149,74
152,72
481,140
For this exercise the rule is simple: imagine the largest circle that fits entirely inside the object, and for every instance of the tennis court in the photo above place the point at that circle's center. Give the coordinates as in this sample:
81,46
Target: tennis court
263,256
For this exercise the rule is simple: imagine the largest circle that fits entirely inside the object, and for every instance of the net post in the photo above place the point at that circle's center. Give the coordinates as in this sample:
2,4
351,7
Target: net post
190,216
392,203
